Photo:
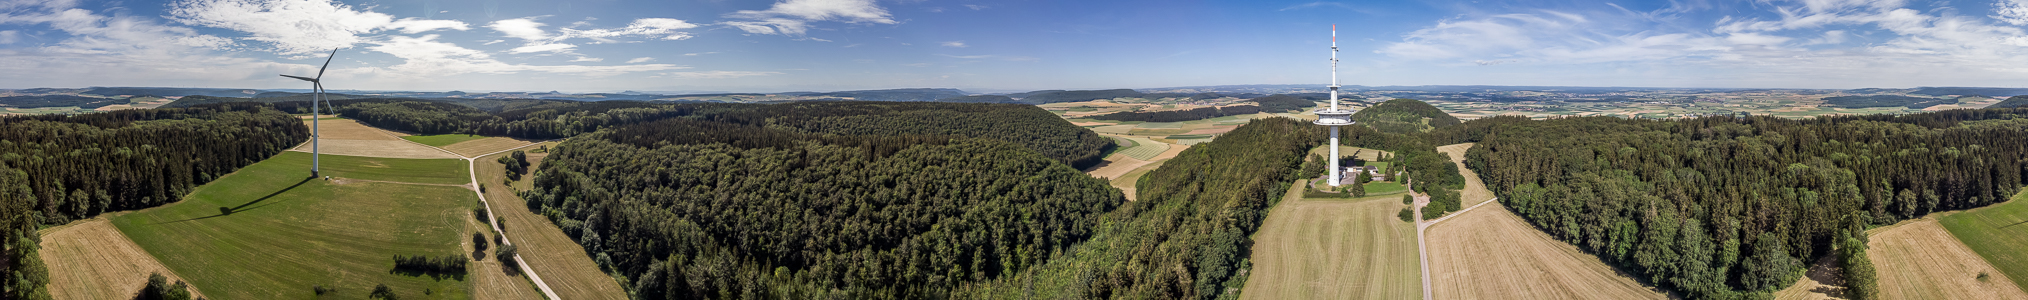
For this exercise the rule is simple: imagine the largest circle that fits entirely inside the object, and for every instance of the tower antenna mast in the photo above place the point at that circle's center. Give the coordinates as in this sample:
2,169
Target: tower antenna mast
1334,117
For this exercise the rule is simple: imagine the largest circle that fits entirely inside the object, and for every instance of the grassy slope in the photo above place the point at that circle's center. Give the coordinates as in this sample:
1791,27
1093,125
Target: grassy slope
1999,233
287,233
440,140
433,171
560,261
1335,249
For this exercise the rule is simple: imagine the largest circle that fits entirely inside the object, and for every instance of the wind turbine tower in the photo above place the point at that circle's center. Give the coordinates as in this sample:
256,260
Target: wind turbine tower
1333,116
317,93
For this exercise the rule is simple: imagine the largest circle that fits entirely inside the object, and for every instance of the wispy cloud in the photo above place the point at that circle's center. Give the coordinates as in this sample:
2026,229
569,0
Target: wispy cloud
991,56
538,40
719,74
792,17
640,60
955,44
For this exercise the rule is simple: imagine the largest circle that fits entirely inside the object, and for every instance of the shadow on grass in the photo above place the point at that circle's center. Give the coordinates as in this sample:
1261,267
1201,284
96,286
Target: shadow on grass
225,211
2015,224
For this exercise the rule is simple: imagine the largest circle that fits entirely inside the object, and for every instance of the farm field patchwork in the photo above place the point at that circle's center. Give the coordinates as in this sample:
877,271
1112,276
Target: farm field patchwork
1919,259
285,233
485,145
1999,233
1144,148
91,259
1335,249
440,140
560,261
1489,253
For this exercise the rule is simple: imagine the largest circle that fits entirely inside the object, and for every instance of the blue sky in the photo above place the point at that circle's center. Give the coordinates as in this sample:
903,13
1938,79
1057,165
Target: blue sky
821,45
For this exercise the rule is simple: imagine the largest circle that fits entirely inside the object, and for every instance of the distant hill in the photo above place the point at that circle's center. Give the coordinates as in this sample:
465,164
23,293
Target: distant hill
1886,101
979,99
1969,91
2015,101
1078,96
170,92
58,101
1404,116
194,100
911,95
1282,103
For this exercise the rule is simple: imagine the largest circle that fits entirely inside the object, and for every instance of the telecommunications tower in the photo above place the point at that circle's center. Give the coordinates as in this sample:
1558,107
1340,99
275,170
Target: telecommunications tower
1333,116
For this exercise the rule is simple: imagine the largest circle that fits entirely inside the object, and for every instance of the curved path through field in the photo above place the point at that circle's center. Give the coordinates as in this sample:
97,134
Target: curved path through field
472,170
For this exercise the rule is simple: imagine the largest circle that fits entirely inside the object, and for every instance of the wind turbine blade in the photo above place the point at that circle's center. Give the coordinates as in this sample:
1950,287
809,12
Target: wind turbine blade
327,63
301,77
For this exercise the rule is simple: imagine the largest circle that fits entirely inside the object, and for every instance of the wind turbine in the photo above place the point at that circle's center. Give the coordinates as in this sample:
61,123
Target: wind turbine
317,93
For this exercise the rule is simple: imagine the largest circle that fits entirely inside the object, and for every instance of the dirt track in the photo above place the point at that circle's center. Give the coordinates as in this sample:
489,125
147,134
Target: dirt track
91,259
1920,260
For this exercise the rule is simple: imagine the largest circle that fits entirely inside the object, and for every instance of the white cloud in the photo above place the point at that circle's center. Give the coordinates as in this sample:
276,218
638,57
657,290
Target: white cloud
700,53
9,36
425,58
2011,11
539,40
976,6
991,56
587,59
955,44
297,26
792,17
640,60
115,50
719,74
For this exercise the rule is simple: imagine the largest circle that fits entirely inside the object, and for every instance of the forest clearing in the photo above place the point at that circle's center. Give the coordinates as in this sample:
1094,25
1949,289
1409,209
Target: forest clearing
91,259
1335,249
1918,259
562,263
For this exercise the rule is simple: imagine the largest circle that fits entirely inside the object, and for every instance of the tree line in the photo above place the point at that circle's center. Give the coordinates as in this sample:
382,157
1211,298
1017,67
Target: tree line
688,208
1728,207
1180,115
57,168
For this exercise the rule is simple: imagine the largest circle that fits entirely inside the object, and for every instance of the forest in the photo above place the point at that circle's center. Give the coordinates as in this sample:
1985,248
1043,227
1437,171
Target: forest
1726,207
1283,103
58,168
1180,115
1403,116
686,208
59,100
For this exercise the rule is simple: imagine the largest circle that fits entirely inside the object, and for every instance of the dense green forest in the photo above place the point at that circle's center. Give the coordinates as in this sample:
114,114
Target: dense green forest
1724,207
1188,236
56,168
1403,116
688,208
1180,115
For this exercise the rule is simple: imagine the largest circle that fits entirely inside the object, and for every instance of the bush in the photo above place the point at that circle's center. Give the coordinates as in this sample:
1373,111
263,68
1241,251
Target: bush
1407,215
506,256
320,289
380,291
1407,200
158,288
447,264
479,242
480,213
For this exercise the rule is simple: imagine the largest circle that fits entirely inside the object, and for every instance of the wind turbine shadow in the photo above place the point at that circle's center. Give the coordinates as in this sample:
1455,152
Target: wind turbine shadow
2015,224
243,207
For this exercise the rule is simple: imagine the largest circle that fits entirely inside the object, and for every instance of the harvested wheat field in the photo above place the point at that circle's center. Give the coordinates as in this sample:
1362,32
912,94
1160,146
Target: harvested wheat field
1489,253
487,145
1116,165
348,137
91,259
560,261
1335,249
1920,260
1475,190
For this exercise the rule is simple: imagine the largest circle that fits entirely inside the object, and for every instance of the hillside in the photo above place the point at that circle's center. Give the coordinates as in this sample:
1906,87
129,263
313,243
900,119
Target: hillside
1283,103
810,214
2011,102
1180,115
1886,101
896,94
195,100
58,101
1707,206
1046,97
1403,116
979,99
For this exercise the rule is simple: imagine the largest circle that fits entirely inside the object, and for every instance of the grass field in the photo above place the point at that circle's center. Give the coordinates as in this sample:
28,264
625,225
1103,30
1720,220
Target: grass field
1383,188
91,259
286,233
1190,136
485,145
1144,148
440,140
348,137
1489,253
1920,260
561,262
1475,190
1335,249
430,171
1999,233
